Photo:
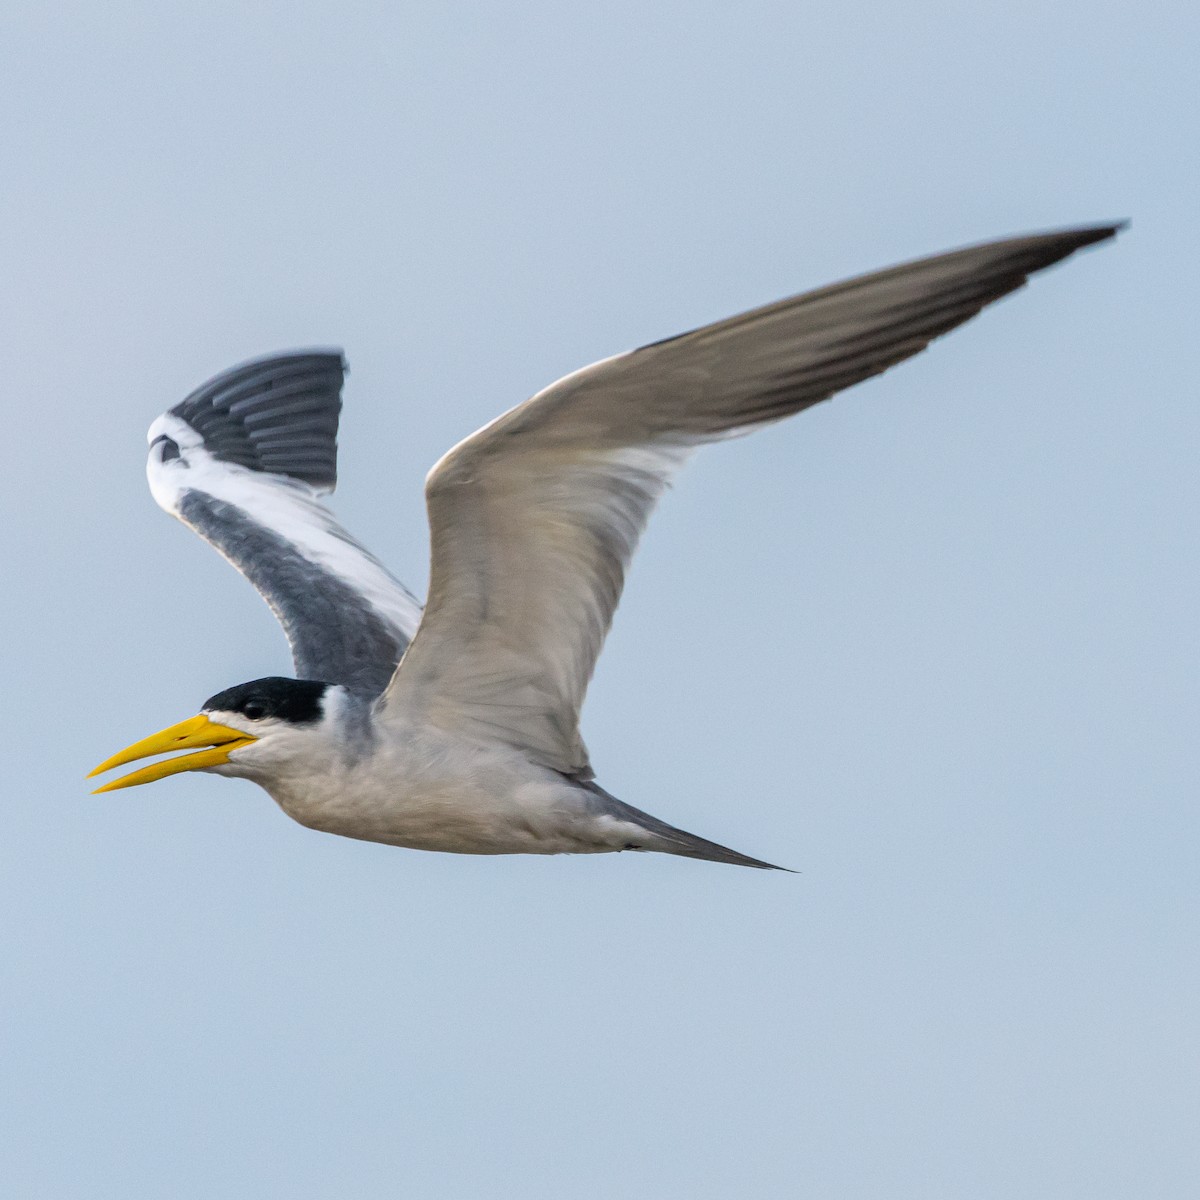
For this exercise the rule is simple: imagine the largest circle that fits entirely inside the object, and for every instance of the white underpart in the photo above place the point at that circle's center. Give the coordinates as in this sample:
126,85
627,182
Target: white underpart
290,509
425,790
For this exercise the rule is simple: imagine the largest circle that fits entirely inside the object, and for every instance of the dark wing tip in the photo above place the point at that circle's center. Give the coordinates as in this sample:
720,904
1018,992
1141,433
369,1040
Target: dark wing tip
1100,232
277,414
1059,243
1020,256
1085,235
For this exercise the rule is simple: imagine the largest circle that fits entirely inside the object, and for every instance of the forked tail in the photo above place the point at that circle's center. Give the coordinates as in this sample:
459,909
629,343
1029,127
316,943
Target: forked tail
666,839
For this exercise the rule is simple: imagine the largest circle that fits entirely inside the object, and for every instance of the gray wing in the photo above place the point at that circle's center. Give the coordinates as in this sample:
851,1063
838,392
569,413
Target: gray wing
244,461
535,517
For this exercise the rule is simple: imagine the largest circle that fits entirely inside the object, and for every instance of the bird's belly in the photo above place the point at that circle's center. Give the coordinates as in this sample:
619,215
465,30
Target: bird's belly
497,807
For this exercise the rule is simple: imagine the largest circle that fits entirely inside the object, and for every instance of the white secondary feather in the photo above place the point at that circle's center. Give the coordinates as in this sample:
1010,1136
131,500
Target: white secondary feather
287,508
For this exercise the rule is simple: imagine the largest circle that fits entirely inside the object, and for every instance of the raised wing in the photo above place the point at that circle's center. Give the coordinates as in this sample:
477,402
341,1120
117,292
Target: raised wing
535,517
243,461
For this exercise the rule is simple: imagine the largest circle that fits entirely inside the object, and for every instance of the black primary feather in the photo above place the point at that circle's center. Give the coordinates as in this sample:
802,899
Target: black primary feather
278,415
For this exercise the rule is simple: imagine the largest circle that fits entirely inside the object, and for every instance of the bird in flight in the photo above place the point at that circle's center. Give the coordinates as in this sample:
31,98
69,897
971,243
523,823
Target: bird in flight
456,727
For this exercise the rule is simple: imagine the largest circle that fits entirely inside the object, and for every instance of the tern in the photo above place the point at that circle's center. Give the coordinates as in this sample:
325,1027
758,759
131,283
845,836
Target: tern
456,727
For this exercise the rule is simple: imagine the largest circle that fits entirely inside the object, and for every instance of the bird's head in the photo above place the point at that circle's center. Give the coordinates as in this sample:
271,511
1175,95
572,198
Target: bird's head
253,730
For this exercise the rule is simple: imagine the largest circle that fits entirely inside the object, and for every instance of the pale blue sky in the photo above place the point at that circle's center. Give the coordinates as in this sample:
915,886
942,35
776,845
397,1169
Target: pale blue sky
934,645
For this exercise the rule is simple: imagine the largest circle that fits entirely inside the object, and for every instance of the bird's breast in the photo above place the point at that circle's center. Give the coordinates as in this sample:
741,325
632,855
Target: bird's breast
428,793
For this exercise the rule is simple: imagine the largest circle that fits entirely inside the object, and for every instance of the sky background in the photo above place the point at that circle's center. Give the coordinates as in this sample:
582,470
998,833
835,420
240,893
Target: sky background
934,645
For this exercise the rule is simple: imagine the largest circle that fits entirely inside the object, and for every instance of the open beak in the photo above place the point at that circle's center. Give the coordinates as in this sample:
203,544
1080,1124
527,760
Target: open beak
195,731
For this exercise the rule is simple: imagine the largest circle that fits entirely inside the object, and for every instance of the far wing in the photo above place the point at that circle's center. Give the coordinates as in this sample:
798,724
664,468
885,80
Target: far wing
535,517
243,461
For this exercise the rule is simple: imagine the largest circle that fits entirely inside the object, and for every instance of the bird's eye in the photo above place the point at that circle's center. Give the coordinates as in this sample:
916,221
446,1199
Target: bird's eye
255,711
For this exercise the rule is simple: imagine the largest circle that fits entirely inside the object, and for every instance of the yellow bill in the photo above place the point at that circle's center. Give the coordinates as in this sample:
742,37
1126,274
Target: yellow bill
195,731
